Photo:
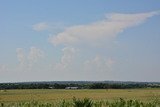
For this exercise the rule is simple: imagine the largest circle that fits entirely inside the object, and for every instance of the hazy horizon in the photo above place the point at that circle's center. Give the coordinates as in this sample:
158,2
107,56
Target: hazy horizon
83,40
39,81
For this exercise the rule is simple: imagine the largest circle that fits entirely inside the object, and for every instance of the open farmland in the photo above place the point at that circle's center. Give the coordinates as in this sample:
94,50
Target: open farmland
80,98
51,95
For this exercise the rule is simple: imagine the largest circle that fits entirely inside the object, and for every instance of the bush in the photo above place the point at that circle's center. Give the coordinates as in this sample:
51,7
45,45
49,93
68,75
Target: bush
86,102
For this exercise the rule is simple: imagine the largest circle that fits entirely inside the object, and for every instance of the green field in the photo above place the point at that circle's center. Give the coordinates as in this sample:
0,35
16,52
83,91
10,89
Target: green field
51,95
80,98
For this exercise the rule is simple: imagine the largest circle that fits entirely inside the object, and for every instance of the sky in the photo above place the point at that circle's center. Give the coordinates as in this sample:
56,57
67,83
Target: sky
79,40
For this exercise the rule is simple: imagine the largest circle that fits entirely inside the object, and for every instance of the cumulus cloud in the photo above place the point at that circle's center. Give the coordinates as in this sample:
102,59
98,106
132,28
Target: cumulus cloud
99,31
54,28
98,64
35,54
40,26
67,59
26,60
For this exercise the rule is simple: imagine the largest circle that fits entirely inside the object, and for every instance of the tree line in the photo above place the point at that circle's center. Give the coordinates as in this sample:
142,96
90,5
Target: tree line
80,86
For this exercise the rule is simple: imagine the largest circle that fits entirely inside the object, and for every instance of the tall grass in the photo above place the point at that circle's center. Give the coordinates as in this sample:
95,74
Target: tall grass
86,102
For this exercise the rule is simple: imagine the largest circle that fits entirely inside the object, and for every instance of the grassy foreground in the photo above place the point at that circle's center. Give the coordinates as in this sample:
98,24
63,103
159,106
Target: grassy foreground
64,98
86,102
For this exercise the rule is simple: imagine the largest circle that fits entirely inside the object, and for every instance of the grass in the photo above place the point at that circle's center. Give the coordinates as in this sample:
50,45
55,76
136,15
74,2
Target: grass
86,102
64,98
53,94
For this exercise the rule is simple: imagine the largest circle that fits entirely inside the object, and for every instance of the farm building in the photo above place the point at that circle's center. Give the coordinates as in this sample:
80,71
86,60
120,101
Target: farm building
72,88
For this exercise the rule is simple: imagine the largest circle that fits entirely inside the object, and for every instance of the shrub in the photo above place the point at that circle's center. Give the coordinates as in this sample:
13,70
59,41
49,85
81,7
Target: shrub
86,102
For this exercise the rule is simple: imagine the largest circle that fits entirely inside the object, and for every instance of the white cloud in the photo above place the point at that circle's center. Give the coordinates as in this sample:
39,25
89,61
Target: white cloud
26,60
35,54
67,59
54,28
99,31
40,26
98,64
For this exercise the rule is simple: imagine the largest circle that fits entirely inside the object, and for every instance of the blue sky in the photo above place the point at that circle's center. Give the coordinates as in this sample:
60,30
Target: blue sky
45,40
